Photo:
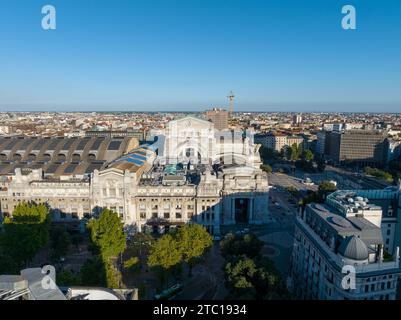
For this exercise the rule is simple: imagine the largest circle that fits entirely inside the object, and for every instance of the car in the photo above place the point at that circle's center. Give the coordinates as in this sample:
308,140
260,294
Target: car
217,238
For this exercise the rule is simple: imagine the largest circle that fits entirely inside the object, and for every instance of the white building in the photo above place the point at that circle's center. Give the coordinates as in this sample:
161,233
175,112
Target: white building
192,173
344,235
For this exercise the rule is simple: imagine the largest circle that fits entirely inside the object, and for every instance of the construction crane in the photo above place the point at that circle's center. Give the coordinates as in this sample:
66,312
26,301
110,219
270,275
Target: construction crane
231,97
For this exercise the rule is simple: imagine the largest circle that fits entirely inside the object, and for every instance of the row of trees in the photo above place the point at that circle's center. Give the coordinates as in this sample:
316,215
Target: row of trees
302,158
108,241
248,274
380,174
29,230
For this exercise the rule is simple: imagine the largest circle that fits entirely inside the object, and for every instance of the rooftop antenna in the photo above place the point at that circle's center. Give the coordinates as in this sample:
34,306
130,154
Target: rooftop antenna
231,97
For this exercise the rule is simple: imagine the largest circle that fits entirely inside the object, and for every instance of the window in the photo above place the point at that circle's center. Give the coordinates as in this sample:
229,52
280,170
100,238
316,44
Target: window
154,215
167,215
388,232
388,285
178,215
142,215
74,215
367,288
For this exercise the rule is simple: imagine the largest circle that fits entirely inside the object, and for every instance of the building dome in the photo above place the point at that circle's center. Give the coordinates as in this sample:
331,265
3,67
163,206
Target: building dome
354,248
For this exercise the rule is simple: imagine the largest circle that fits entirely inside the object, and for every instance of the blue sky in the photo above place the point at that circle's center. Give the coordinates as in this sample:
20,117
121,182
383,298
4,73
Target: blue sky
139,55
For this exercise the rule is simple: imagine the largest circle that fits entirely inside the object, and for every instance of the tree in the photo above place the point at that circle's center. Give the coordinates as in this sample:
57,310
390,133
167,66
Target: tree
93,272
165,253
132,264
193,240
266,168
254,279
325,188
267,154
164,256
60,242
107,234
307,155
26,232
320,163
248,245
7,264
76,240
67,278
293,190
293,152
380,174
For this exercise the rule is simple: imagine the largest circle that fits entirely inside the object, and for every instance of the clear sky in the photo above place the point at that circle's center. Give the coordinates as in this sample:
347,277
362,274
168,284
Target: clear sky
186,55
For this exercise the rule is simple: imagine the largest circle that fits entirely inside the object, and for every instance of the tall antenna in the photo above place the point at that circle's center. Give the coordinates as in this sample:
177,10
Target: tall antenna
231,97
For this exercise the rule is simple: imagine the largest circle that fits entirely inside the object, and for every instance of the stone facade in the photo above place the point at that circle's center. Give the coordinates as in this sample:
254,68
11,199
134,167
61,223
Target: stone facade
137,187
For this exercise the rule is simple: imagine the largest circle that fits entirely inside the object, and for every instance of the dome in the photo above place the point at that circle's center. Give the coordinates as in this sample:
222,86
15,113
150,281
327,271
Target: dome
354,248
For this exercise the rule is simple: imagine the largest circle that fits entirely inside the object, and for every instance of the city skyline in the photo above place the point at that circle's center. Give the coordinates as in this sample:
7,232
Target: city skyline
150,56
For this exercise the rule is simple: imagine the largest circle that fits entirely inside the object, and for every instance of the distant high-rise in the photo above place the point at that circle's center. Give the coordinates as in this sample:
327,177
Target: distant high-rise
219,117
296,119
365,147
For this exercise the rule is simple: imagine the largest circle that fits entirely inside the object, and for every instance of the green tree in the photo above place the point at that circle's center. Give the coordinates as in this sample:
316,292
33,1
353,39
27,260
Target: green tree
320,163
132,264
66,278
293,190
307,155
26,232
76,240
248,245
165,253
60,242
193,240
380,174
267,154
325,188
293,152
107,234
93,272
113,276
266,168
7,264
254,279
164,256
